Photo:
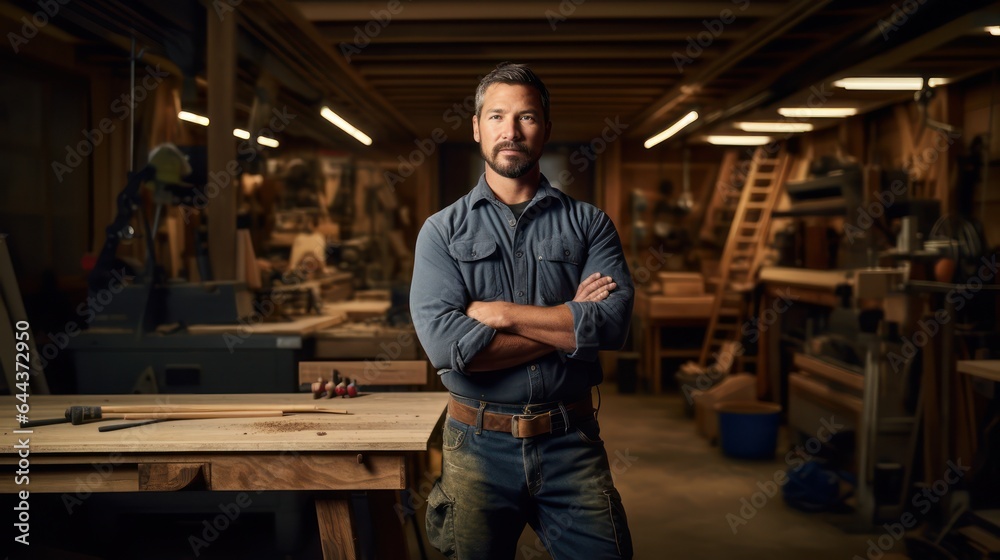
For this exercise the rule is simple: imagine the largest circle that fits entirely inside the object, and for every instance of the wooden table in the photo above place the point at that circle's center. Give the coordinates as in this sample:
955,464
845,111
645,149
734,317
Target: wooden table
364,450
659,312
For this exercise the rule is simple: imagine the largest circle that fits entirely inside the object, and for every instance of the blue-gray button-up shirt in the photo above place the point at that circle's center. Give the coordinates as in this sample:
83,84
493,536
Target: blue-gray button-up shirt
475,250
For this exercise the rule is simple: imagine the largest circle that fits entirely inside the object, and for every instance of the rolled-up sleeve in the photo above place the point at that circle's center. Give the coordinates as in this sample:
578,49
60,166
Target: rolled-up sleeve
603,325
438,300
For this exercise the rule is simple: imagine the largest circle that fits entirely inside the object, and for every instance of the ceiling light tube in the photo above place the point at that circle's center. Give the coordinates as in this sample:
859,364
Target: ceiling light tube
347,127
724,140
242,134
265,141
886,83
817,112
673,129
994,30
192,118
773,126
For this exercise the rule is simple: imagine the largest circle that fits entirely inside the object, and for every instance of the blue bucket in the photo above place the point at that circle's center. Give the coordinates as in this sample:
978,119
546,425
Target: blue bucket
748,429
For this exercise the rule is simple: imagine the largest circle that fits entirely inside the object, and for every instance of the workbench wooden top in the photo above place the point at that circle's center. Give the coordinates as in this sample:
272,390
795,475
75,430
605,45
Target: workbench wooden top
378,422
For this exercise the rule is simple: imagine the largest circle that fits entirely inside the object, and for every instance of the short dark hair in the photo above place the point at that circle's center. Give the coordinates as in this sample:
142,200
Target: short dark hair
511,74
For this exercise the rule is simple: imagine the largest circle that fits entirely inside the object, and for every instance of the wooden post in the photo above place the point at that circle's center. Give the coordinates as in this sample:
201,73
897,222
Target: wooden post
222,165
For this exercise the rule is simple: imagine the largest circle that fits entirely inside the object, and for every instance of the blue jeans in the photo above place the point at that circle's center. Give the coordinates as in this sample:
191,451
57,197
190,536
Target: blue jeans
492,484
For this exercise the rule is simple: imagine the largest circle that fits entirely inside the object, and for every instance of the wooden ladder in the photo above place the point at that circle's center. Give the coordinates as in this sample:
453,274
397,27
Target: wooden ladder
744,247
727,189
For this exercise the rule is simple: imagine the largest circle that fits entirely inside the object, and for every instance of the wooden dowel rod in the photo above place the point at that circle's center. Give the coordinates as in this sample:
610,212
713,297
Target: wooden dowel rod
201,415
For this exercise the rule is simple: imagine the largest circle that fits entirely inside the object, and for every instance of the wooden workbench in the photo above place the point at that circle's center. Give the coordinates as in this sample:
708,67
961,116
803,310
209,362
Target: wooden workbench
661,312
364,450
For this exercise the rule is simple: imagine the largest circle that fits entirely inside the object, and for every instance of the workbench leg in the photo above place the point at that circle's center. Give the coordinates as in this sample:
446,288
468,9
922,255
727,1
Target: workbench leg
335,529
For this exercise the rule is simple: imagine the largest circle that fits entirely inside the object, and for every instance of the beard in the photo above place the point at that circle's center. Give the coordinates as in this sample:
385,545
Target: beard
510,167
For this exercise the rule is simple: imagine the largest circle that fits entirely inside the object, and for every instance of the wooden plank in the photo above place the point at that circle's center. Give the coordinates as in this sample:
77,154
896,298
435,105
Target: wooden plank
335,533
377,422
662,307
301,471
169,477
830,372
81,478
820,393
986,369
354,341
300,326
358,310
10,293
406,372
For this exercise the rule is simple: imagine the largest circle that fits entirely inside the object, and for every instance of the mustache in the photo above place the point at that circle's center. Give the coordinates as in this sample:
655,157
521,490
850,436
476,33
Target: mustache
518,146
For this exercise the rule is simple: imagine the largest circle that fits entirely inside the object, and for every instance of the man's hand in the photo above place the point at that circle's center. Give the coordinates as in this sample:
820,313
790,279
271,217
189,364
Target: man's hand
595,288
490,313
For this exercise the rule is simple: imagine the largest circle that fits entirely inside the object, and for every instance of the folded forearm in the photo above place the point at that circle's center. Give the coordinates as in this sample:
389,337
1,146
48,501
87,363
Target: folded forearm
507,350
548,325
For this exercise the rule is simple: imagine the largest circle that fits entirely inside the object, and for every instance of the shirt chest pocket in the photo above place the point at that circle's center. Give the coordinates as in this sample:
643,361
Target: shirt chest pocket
560,262
479,261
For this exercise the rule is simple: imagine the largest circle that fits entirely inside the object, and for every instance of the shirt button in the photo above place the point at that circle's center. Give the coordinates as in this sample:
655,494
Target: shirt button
566,253
512,222
519,254
473,253
539,257
520,294
533,368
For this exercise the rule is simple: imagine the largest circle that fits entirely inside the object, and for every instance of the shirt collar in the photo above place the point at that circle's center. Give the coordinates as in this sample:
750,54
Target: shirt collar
482,191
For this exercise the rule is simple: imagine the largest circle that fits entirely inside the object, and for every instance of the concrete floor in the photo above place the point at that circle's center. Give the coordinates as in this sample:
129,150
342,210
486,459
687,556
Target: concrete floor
679,489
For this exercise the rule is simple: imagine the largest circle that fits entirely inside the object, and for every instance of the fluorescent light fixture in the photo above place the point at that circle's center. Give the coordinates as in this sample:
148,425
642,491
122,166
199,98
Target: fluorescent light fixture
994,30
192,118
265,141
242,134
674,129
723,140
817,112
347,127
887,83
773,126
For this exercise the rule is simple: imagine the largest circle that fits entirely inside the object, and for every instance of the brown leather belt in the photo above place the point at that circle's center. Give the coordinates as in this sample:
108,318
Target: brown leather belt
524,425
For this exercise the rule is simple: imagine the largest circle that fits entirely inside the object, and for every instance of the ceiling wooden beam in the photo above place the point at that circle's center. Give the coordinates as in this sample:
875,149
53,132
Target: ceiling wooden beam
532,31
327,10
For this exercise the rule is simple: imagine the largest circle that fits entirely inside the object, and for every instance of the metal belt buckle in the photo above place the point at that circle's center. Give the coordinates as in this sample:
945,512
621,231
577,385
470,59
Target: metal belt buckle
513,423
